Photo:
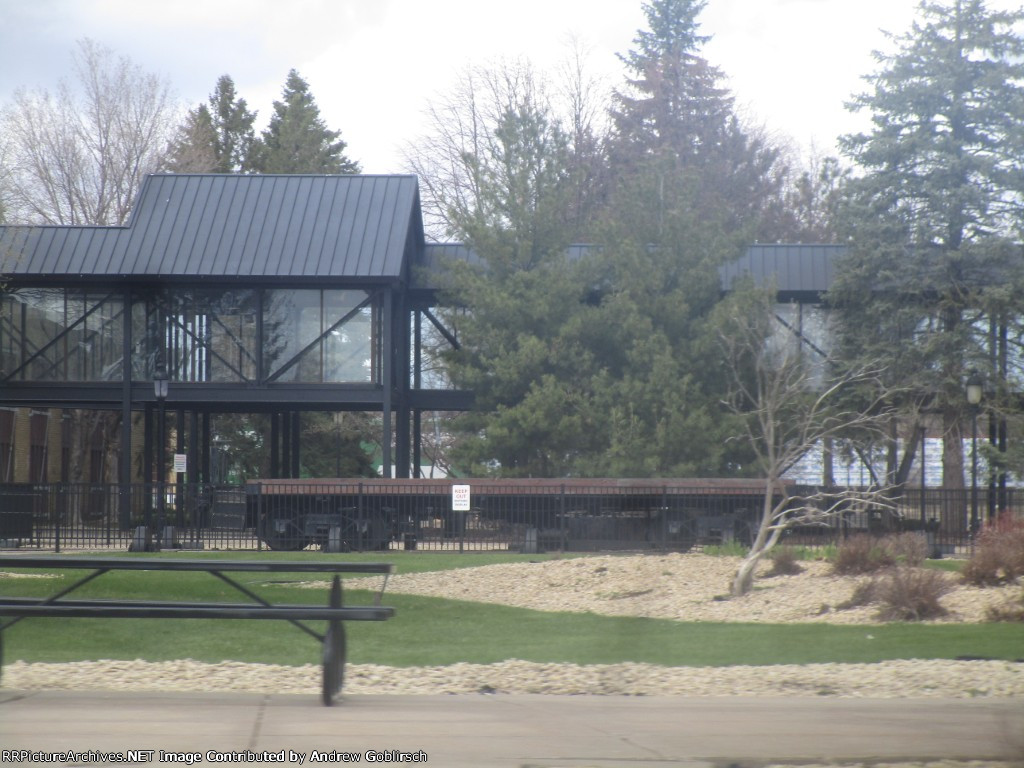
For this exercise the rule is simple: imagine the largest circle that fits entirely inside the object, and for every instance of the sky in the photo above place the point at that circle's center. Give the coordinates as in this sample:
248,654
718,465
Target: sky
374,66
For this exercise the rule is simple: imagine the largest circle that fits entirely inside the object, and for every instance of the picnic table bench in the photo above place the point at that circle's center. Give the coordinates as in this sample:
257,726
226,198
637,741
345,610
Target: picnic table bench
334,612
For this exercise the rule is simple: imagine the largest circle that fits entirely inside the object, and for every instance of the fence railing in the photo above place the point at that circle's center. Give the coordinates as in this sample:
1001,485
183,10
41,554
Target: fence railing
382,515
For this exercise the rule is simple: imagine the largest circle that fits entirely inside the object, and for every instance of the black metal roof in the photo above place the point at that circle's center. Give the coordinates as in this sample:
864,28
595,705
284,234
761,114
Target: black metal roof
798,270
306,227
219,225
795,269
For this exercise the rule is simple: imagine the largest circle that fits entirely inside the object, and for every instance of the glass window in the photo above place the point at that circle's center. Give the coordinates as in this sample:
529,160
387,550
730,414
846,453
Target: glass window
54,334
319,336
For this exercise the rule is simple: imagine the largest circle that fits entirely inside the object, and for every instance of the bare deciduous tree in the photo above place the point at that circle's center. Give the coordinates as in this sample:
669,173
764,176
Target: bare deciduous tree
78,156
789,406
464,133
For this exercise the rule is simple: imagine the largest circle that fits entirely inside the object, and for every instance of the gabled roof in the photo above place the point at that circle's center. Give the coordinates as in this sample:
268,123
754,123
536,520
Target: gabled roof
219,225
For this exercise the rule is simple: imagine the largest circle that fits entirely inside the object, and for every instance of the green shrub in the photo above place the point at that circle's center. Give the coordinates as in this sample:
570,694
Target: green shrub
728,549
998,553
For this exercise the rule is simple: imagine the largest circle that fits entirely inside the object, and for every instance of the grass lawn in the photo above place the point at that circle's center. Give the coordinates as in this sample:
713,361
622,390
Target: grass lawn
432,631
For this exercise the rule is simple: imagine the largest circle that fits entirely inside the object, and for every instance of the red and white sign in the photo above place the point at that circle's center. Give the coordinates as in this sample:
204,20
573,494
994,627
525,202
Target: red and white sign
460,498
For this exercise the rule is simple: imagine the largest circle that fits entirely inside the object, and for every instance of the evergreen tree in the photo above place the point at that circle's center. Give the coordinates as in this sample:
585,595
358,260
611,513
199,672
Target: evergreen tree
193,148
233,126
296,139
216,137
586,364
675,118
513,308
935,211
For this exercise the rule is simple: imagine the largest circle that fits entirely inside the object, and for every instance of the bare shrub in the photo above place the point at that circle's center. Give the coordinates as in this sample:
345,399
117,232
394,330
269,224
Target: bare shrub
906,548
861,553
911,594
863,594
998,553
784,562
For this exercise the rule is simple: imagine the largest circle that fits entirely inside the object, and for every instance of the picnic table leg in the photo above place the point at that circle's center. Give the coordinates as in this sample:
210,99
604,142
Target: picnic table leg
334,649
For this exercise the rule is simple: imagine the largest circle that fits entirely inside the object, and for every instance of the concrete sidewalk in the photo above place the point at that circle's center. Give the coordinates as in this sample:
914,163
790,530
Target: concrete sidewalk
514,731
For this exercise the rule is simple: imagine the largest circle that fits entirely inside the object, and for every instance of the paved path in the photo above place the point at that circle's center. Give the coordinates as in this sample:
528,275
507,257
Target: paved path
514,731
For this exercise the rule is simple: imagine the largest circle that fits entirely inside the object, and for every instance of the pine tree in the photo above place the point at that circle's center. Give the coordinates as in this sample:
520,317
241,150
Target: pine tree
296,139
233,124
676,118
216,137
935,212
193,148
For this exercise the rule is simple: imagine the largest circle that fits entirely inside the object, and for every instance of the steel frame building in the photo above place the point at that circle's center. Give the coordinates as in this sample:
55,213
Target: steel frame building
256,294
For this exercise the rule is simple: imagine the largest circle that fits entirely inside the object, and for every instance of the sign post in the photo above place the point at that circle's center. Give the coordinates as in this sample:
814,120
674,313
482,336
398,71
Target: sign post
461,504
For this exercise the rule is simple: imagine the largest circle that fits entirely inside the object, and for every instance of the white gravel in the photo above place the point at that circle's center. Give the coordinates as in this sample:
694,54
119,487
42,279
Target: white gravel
679,587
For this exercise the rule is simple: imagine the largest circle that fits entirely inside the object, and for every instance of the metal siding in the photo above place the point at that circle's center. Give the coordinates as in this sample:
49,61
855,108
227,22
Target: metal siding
146,223
400,231
201,225
166,250
378,240
268,243
307,229
189,256
334,257
229,256
323,237
372,251
355,260
255,238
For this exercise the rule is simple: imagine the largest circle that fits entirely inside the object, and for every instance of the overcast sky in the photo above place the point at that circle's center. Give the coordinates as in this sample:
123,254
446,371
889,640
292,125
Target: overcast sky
373,65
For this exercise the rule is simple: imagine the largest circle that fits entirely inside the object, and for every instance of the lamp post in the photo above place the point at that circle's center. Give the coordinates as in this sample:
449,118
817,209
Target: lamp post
974,391
160,382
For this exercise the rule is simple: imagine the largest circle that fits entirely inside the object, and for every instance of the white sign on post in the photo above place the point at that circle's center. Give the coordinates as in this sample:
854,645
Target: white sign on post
180,462
460,498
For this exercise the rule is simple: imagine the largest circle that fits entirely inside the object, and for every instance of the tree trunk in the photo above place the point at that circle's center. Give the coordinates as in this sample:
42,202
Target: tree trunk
766,538
952,450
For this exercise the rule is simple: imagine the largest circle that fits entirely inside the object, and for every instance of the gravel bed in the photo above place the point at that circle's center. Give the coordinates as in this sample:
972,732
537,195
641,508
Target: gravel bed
891,679
686,587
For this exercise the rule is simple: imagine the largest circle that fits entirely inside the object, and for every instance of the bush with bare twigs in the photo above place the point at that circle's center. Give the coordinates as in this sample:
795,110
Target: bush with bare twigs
784,562
863,553
911,594
998,553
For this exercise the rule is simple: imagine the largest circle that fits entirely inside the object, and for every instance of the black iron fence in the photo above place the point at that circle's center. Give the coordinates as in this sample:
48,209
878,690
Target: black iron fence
599,515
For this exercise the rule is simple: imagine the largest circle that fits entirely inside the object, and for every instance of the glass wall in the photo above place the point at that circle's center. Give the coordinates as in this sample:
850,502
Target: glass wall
58,334
309,335
202,334
320,336
205,334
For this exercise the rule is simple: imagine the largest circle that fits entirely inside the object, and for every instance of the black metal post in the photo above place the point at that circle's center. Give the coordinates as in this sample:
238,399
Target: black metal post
974,471
974,390
161,470
160,379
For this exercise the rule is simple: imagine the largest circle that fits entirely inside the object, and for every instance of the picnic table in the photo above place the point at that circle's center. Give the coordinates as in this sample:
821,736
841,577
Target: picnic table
334,613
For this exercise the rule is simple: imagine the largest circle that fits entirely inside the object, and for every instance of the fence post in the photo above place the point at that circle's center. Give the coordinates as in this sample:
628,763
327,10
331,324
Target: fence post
56,524
664,517
561,515
260,522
